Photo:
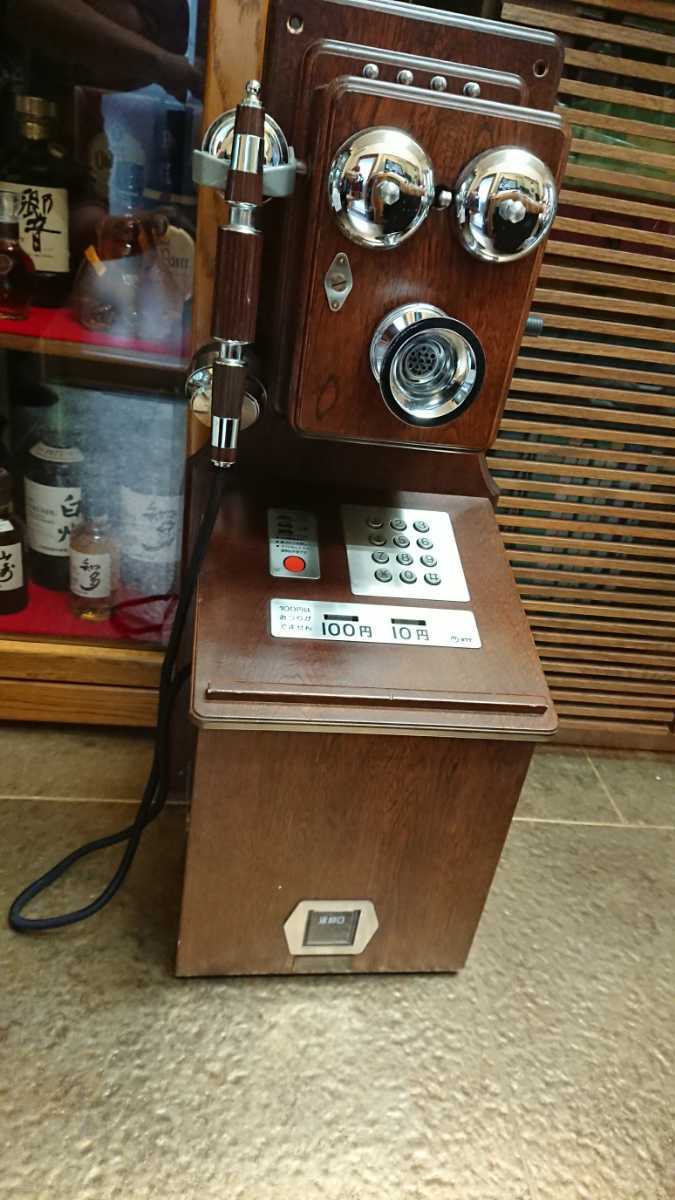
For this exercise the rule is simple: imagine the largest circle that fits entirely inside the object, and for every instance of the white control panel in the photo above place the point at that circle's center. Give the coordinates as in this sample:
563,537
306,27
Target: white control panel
293,544
389,624
402,552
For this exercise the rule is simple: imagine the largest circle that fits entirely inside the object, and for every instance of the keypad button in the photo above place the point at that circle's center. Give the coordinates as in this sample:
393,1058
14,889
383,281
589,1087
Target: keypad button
432,578
379,556
398,524
424,543
374,523
428,560
421,526
406,560
401,541
383,575
408,577
377,539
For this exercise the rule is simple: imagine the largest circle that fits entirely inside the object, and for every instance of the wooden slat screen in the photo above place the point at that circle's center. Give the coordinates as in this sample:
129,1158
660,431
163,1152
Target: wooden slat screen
586,453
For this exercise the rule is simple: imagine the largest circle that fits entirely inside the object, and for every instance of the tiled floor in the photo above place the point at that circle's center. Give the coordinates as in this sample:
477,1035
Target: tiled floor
544,1071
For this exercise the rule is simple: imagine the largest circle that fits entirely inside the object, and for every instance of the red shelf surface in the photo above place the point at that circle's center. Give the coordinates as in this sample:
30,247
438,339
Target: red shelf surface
48,614
59,325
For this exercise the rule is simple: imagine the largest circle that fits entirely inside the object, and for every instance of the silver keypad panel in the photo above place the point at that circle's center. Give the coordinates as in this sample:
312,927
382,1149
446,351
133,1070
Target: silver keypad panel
390,624
402,552
293,544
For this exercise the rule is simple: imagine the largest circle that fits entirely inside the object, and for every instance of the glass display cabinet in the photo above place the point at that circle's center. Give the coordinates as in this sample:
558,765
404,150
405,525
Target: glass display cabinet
101,107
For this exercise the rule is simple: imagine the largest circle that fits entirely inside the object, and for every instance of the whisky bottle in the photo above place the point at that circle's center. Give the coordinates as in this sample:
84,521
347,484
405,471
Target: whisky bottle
107,288
53,498
151,513
38,171
13,579
94,566
16,268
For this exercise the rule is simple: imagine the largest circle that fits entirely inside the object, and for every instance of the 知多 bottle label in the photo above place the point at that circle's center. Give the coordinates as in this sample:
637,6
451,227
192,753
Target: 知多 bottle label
90,574
56,454
11,565
51,514
150,526
43,225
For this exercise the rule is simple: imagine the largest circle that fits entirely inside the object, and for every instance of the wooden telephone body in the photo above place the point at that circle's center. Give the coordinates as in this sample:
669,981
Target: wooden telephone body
361,741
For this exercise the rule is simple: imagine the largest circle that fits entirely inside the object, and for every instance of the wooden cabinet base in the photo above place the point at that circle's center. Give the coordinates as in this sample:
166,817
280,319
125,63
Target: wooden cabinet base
415,825
78,683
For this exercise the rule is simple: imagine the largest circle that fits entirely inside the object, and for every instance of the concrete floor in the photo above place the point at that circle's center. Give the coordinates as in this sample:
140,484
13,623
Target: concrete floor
544,1071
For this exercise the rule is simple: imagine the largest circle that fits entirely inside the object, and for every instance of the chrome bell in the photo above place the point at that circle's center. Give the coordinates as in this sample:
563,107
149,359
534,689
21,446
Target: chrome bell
429,366
380,187
504,204
199,382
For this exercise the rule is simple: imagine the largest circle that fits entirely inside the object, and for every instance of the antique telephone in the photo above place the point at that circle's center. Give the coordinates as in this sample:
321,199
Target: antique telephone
364,688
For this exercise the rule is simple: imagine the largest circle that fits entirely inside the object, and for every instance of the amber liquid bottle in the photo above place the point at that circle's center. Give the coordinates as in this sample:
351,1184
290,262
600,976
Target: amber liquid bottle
94,567
13,578
53,499
16,268
38,171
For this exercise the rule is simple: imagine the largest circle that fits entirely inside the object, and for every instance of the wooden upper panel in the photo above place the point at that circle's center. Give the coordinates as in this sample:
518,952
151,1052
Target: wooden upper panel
333,392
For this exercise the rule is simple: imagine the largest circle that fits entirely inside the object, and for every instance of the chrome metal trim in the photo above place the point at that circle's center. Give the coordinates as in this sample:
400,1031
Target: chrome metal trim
247,151
224,433
338,282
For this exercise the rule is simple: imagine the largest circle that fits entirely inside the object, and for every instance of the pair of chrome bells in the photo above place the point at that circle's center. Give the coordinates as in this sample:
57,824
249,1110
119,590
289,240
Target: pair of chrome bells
429,366
381,188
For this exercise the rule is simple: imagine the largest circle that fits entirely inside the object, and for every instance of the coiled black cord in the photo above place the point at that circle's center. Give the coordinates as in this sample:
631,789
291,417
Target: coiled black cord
156,788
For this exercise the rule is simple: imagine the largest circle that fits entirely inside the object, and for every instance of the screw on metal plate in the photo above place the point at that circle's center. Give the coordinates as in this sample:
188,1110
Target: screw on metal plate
338,282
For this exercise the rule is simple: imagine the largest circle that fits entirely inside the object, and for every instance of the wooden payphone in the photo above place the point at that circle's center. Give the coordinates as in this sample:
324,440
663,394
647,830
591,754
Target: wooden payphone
365,690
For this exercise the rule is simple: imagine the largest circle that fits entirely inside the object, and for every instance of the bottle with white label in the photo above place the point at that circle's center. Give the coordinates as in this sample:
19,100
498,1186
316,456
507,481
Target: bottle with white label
39,173
53,498
150,530
94,567
13,579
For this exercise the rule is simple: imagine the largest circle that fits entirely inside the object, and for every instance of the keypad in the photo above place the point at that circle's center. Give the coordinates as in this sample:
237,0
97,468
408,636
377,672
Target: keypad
403,553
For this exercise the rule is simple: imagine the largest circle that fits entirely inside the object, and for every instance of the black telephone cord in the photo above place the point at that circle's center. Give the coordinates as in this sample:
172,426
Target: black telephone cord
156,788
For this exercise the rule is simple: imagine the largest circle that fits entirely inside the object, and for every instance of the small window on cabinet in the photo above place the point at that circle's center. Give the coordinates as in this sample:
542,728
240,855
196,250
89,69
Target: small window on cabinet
100,108
97,470
100,112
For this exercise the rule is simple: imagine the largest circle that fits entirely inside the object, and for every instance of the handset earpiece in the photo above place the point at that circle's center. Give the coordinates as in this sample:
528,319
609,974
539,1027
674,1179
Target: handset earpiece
504,203
380,187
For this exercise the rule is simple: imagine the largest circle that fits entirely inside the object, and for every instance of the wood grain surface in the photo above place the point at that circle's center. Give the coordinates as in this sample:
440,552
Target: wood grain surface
416,827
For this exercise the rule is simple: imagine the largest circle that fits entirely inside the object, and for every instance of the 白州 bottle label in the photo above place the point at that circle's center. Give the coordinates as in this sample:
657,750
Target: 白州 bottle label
150,526
90,574
51,514
43,225
11,566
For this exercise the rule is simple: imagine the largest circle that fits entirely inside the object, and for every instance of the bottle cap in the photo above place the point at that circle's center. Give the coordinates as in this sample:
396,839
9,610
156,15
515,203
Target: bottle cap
35,106
5,487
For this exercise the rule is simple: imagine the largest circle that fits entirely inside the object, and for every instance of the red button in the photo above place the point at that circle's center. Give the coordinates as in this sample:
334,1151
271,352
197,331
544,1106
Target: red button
294,563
